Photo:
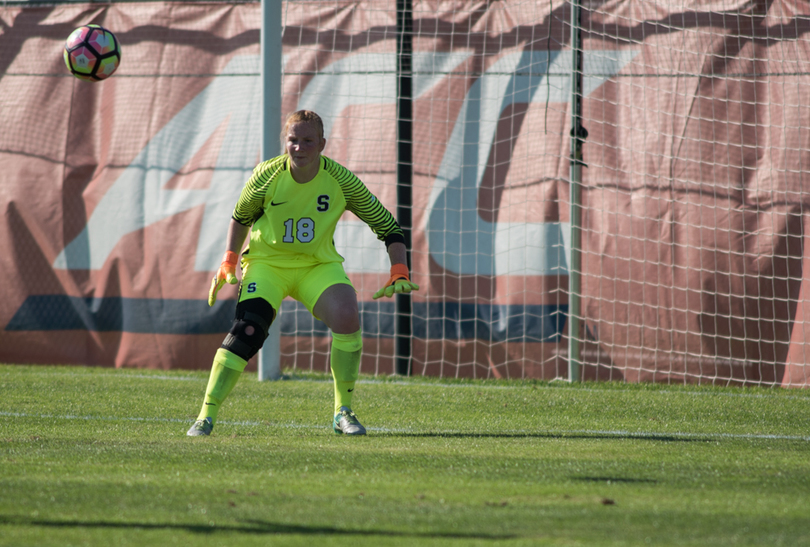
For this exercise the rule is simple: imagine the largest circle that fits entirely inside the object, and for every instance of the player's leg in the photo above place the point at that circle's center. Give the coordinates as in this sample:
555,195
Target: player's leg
225,371
337,307
260,294
344,361
246,337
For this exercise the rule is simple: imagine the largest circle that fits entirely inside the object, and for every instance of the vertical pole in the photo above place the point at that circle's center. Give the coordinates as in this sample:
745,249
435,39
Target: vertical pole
404,173
270,355
578,136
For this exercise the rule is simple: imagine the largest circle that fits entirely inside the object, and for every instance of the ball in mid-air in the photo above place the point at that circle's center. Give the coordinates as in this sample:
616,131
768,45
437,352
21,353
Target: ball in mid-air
92,53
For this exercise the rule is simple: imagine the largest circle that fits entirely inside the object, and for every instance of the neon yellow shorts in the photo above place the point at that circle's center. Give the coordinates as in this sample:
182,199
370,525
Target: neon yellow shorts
260,280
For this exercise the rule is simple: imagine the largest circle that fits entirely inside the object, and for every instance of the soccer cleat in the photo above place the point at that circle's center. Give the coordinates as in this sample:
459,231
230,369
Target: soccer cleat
346,422
201,428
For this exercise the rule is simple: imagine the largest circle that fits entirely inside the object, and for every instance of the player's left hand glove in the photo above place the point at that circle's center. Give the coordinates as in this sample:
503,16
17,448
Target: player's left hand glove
399,282
226,272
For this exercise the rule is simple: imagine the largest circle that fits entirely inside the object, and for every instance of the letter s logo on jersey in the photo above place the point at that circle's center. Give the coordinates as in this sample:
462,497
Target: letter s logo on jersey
323,203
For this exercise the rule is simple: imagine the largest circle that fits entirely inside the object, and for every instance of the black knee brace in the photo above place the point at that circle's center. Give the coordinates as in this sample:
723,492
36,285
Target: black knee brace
250,327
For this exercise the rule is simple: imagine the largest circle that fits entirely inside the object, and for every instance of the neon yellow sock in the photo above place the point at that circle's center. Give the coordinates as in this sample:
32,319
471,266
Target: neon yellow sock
225,372
345,364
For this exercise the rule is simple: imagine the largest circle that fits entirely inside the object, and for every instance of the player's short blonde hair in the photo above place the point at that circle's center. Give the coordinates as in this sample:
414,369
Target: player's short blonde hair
306,116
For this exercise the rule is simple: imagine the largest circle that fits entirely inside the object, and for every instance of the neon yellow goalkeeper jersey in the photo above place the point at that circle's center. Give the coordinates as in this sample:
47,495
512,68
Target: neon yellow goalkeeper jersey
293,225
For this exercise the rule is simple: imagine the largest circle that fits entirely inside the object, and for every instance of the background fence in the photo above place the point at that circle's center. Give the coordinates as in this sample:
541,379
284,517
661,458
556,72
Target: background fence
117,195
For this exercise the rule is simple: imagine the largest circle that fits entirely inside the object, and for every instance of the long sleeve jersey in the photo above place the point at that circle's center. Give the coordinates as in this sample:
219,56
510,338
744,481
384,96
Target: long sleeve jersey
293,224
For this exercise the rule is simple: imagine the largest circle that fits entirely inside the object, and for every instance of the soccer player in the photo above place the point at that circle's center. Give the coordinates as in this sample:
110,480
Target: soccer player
290,206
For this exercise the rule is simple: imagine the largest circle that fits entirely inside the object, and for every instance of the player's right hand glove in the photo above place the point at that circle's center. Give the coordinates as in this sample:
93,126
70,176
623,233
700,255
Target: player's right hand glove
226,272
399,282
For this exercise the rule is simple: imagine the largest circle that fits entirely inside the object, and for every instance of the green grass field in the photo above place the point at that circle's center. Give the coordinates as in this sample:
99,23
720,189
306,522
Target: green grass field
100,457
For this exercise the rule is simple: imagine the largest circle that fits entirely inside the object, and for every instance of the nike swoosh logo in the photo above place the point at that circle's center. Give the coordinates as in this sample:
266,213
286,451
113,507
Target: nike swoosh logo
211,404
274,204
352,389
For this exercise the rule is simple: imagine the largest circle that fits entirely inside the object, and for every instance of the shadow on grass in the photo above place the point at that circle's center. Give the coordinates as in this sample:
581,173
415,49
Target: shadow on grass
605,436
247,527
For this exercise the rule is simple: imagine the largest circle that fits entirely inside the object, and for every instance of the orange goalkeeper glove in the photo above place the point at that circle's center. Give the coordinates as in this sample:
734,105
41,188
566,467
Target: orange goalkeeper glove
399,282
226,272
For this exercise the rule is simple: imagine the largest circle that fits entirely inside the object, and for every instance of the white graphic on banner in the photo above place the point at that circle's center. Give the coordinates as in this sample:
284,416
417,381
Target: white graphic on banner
138,197
459,240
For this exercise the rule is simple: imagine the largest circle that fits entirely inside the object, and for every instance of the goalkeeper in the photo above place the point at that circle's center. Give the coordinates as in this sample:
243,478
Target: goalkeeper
290,206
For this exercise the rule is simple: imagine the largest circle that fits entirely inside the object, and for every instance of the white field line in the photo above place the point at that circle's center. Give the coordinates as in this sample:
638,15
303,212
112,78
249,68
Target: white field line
449,432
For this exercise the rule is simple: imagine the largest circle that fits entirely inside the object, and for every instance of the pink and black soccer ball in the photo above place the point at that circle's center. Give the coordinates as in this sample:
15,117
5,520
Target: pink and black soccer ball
92,53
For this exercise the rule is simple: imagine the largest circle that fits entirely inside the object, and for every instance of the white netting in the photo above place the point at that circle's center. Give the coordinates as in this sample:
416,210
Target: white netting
692,194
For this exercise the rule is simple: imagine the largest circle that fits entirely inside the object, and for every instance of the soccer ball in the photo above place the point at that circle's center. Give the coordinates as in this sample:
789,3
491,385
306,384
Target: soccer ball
92,53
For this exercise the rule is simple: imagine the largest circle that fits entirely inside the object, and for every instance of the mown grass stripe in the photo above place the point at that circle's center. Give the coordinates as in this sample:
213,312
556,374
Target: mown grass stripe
449,432
777,393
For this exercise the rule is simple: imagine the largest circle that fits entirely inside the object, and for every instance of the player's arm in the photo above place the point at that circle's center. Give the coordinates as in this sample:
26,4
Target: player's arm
364,204
237,233
369,209
400,281
249,208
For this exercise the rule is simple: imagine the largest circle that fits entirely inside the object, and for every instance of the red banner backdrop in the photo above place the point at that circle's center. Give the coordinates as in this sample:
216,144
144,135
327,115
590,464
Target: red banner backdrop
117,195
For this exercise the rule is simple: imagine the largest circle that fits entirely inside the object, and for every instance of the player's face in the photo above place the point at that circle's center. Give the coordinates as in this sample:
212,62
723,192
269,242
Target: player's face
304,145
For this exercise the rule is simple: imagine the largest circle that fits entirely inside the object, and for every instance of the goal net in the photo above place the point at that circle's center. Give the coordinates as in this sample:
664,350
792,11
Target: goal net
692,190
